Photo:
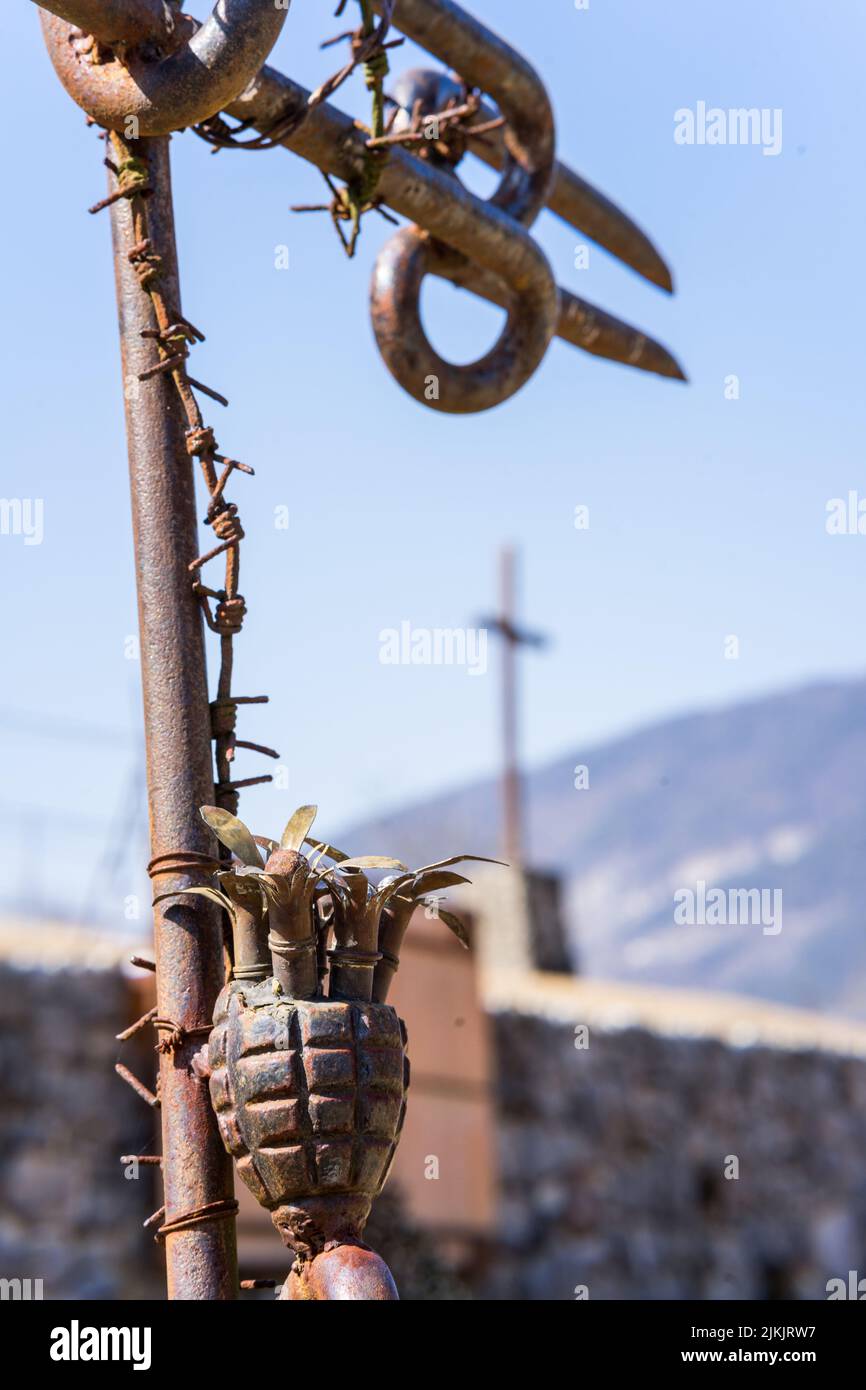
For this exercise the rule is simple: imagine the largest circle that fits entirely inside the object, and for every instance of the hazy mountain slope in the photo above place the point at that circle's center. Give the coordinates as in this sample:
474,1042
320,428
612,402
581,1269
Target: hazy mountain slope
769,794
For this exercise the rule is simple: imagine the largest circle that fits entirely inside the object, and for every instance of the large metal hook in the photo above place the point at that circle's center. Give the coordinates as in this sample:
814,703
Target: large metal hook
485,62
395,307
162,86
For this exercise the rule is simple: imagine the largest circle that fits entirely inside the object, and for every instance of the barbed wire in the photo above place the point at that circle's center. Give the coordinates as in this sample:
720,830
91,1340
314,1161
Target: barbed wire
173,337
444,133
369,46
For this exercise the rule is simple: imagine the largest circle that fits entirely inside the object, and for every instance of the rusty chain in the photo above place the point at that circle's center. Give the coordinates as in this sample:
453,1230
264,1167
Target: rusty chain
482,60
173,338
183,73
455,124
497,259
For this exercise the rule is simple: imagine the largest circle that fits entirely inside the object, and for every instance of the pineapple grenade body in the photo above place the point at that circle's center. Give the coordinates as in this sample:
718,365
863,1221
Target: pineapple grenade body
310,1098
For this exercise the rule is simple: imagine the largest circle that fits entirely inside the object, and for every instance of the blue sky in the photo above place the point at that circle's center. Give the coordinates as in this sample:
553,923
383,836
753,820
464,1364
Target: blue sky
707,516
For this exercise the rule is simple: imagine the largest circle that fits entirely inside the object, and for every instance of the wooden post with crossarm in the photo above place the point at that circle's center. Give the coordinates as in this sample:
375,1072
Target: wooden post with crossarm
504,625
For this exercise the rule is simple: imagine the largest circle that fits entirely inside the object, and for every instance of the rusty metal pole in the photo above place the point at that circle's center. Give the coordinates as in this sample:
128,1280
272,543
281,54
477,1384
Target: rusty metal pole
199,1228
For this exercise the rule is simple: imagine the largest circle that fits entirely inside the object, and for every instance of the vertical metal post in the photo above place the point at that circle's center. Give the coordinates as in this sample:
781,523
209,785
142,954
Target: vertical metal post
200,1250
511,808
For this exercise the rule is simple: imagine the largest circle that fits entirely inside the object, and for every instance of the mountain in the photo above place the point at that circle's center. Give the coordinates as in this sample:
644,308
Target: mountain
769,794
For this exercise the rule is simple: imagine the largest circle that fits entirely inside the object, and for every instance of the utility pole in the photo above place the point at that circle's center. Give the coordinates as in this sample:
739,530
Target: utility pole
504,625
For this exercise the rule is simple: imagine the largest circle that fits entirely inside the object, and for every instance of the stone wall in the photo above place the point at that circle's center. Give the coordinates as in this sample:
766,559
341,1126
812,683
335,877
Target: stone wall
616,1142
617,1119
67,1214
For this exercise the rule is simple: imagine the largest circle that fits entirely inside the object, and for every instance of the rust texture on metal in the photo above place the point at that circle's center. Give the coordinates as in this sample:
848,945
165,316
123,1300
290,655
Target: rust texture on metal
310,1088
143,1092
119,21
161,89
345,1272
368,49
478,230
142,964
487,63
310,1099
201,1261
171,340
583,207
250,927
571,197
496,260
500,255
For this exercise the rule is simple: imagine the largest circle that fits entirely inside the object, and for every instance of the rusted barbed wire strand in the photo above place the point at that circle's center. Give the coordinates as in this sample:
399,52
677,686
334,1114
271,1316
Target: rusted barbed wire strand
283,110
369,46
143,1092
217,132
142,963
369,49
137,1026
173,338
212,1211
344,207
428,131
176,1035
418,190
331,141
362,198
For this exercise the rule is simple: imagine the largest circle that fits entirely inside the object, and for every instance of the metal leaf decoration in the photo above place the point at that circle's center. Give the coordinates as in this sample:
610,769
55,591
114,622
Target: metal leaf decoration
434,880
217,897
298,827
391,886
232,833
462,859
276,888
455,925
352,888
326,851
243,887
370,861
364,915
